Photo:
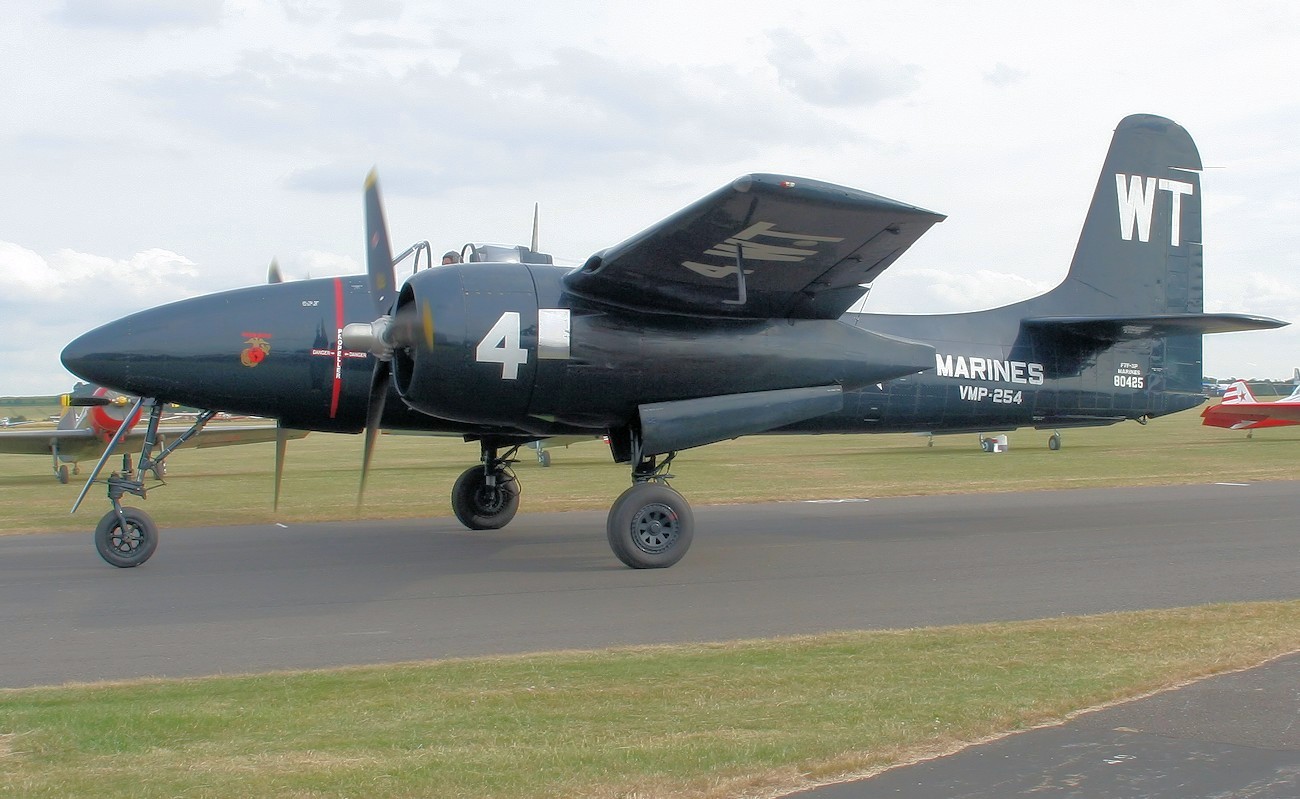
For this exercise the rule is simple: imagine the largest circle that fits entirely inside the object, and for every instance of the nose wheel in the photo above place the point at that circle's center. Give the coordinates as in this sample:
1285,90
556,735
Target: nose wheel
127,539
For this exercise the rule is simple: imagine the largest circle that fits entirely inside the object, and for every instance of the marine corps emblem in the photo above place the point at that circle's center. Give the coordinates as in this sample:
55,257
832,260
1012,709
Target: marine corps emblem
256,351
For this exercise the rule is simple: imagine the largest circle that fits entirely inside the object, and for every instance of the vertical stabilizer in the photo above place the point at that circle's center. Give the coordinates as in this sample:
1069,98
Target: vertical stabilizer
1139,255
1140,249
1238,393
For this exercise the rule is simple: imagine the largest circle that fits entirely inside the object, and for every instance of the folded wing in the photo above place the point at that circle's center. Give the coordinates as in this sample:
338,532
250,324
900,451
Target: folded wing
766,246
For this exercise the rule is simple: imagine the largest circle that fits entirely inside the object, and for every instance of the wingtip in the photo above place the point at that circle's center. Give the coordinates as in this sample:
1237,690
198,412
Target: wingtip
372,178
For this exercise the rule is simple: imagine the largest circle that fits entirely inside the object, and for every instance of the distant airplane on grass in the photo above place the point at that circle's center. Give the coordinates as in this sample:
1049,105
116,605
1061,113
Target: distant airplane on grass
94,414
1241,411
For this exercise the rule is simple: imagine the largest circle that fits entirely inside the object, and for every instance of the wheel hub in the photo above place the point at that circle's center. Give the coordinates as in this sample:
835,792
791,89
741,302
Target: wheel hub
126,541
654,528
490,499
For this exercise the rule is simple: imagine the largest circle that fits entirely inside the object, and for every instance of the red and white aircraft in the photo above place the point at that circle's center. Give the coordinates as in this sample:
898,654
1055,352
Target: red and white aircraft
1241,411
84,430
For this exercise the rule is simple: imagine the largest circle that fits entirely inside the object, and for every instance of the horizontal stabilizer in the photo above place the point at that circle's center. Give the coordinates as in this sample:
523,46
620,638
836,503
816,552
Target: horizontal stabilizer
1112,329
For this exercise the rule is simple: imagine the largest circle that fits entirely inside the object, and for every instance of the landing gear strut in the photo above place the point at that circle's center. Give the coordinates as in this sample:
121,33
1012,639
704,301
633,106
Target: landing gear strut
127,537
650,525
486,497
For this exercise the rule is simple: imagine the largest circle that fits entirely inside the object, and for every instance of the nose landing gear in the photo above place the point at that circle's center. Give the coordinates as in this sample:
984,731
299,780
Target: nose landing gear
127,537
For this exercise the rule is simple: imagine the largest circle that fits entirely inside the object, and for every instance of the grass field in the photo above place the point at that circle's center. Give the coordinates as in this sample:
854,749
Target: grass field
413,475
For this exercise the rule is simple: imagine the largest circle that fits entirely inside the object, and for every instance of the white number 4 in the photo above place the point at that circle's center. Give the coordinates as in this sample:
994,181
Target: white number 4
501,345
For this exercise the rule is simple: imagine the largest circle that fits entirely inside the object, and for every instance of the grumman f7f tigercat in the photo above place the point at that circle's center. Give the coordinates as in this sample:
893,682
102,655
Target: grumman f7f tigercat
729,318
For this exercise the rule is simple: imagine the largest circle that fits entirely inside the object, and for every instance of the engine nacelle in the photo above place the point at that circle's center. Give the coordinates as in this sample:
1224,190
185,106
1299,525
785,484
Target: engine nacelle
467,334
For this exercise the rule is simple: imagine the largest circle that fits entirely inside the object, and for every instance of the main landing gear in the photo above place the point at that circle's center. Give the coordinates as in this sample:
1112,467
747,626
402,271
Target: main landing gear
650,526
61,469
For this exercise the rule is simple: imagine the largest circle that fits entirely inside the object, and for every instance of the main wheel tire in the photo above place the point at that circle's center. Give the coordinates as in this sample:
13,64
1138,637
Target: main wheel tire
650,526
129,547
1054,442
62,475
483,507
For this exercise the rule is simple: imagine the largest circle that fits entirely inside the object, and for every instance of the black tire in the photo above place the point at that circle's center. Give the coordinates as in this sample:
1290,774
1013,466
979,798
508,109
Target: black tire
1054,442
544,458
129,548
650,526
62,475
483,507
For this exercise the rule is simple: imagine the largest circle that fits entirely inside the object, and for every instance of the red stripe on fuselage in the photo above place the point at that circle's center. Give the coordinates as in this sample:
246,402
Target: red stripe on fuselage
338,347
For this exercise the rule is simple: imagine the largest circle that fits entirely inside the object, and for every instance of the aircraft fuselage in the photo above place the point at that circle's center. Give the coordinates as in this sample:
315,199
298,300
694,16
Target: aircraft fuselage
514,354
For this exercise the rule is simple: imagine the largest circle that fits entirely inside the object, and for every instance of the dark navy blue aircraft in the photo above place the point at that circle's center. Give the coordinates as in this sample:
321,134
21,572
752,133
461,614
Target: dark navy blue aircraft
726,319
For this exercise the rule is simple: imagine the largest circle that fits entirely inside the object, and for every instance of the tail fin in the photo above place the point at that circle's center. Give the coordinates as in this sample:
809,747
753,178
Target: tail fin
1137,269
1139,253
1238,393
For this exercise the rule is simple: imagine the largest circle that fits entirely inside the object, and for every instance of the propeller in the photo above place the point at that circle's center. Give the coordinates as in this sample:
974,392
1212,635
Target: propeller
281,444
375,336
381,336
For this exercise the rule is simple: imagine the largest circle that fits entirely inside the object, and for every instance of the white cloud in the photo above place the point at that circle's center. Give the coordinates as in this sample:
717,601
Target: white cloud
81,280
140,15
846,78
1004,75
315,263
928,290
49,301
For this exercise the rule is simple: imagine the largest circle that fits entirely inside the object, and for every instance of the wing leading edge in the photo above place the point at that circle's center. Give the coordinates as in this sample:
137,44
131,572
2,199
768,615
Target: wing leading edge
763,247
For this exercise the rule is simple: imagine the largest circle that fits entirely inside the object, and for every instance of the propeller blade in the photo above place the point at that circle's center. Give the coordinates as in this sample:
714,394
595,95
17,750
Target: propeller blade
69,401
379,253
535,211
281,443
374,413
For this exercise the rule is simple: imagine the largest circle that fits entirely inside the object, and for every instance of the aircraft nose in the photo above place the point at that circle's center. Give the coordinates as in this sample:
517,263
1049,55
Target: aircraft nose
95,358
263,350
158,351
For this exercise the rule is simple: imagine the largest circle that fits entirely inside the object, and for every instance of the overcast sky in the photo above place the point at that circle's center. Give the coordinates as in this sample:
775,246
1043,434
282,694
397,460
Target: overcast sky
157,149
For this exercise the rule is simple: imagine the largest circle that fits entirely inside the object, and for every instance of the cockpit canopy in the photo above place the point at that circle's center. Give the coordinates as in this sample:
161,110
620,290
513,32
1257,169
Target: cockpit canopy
502,253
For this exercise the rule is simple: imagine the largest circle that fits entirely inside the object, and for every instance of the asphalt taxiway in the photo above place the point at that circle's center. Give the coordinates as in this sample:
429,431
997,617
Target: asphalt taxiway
1234,736
247,599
